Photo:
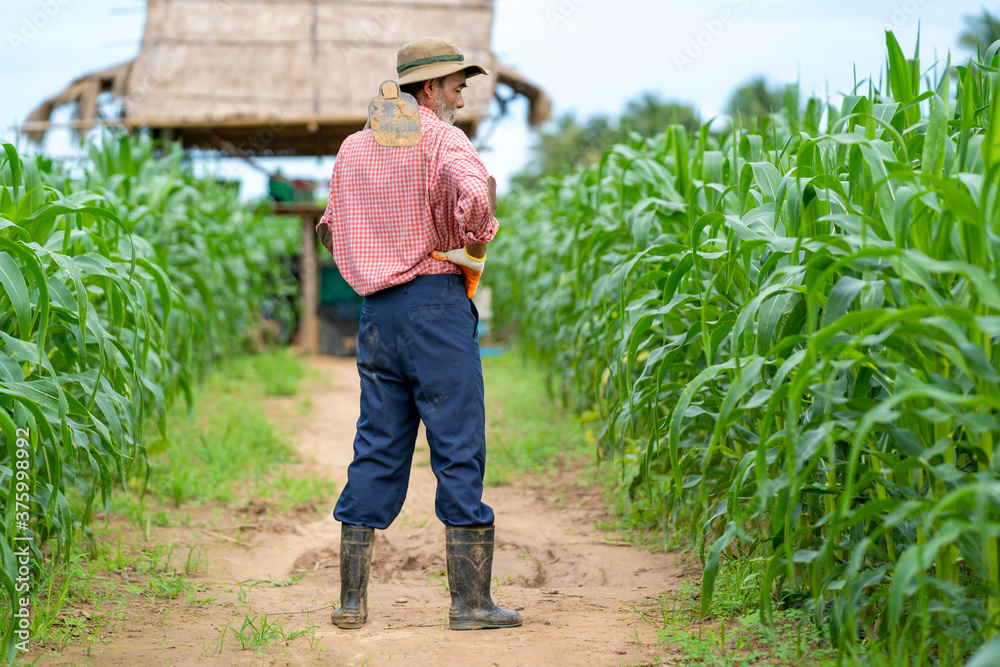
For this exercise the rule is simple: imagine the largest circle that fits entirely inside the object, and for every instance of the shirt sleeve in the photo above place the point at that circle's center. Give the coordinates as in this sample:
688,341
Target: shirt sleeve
327,219
464,171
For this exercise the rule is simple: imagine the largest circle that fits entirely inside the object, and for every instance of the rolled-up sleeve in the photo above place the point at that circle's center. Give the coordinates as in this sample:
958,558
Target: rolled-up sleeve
465,172
473,212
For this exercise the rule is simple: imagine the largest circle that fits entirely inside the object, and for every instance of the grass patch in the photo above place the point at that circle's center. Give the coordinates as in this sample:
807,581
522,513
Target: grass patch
85,598
733,640
279,371
224,452
256,632
228,452
526,431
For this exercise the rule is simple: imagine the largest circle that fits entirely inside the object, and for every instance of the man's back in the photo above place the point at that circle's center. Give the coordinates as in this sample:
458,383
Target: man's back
391,207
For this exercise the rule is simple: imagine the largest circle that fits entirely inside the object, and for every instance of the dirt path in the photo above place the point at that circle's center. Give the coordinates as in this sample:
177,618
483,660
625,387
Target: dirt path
573,587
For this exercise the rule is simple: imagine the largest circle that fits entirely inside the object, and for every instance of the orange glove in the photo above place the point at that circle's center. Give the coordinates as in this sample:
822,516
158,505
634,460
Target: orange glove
471,266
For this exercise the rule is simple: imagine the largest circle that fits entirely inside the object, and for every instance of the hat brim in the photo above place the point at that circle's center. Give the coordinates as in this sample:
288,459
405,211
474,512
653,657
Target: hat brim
437,70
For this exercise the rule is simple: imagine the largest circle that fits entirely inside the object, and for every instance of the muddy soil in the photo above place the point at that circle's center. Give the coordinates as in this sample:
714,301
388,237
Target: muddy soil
576,586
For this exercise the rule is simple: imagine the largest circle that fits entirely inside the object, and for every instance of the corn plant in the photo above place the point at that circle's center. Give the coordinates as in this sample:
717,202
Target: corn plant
121,286
789,334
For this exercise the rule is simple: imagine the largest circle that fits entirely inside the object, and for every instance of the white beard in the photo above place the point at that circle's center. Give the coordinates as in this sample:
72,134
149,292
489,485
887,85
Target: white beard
443,111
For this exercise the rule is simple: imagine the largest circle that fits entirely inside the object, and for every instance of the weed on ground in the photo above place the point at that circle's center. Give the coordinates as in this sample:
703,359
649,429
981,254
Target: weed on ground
223,453
541,437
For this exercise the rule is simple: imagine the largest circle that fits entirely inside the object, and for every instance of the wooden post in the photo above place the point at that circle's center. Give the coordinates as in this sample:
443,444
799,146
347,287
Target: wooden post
309,214
310,286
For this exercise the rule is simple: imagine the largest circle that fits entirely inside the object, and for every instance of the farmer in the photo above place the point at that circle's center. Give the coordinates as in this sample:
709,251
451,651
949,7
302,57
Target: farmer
408,228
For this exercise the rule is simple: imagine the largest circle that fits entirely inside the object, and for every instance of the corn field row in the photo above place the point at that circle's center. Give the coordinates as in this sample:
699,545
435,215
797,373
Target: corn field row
790,338
122,284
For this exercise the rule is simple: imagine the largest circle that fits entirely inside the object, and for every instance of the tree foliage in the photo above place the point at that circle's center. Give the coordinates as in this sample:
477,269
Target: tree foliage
574,143
754,99
980,31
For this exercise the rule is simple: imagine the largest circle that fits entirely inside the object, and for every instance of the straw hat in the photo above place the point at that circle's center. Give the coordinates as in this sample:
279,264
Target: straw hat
430,58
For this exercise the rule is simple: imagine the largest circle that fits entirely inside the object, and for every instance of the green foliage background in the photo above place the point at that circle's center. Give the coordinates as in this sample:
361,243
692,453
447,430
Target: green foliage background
122,285
789,333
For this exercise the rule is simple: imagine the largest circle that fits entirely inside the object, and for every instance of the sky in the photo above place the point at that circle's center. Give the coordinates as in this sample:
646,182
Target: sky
591,56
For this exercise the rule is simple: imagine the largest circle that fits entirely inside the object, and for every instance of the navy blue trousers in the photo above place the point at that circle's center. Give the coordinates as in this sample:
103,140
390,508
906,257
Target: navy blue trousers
418,359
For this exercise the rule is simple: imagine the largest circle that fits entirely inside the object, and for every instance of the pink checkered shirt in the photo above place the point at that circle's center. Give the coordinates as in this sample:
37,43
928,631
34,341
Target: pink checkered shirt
390,208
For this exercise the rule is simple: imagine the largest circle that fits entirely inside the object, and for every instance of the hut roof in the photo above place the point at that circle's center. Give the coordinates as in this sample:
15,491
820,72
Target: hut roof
280,76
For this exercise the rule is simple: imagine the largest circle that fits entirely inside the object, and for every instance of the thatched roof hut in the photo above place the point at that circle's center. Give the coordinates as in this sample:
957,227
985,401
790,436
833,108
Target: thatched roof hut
288,77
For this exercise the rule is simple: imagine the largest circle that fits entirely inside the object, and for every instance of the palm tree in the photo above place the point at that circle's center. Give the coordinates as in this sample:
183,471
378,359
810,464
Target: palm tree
980,31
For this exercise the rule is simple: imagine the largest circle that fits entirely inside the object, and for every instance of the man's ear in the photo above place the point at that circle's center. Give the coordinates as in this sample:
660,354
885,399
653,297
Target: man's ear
429,87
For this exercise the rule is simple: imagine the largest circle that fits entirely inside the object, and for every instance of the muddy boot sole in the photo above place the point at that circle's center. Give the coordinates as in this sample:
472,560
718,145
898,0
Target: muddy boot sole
480,625
349,623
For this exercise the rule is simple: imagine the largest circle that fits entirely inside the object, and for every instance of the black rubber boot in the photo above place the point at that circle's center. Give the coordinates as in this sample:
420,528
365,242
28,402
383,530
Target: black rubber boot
470,568
356,546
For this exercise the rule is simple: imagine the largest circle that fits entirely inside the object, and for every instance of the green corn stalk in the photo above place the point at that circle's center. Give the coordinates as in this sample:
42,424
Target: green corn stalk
121,287
790,335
